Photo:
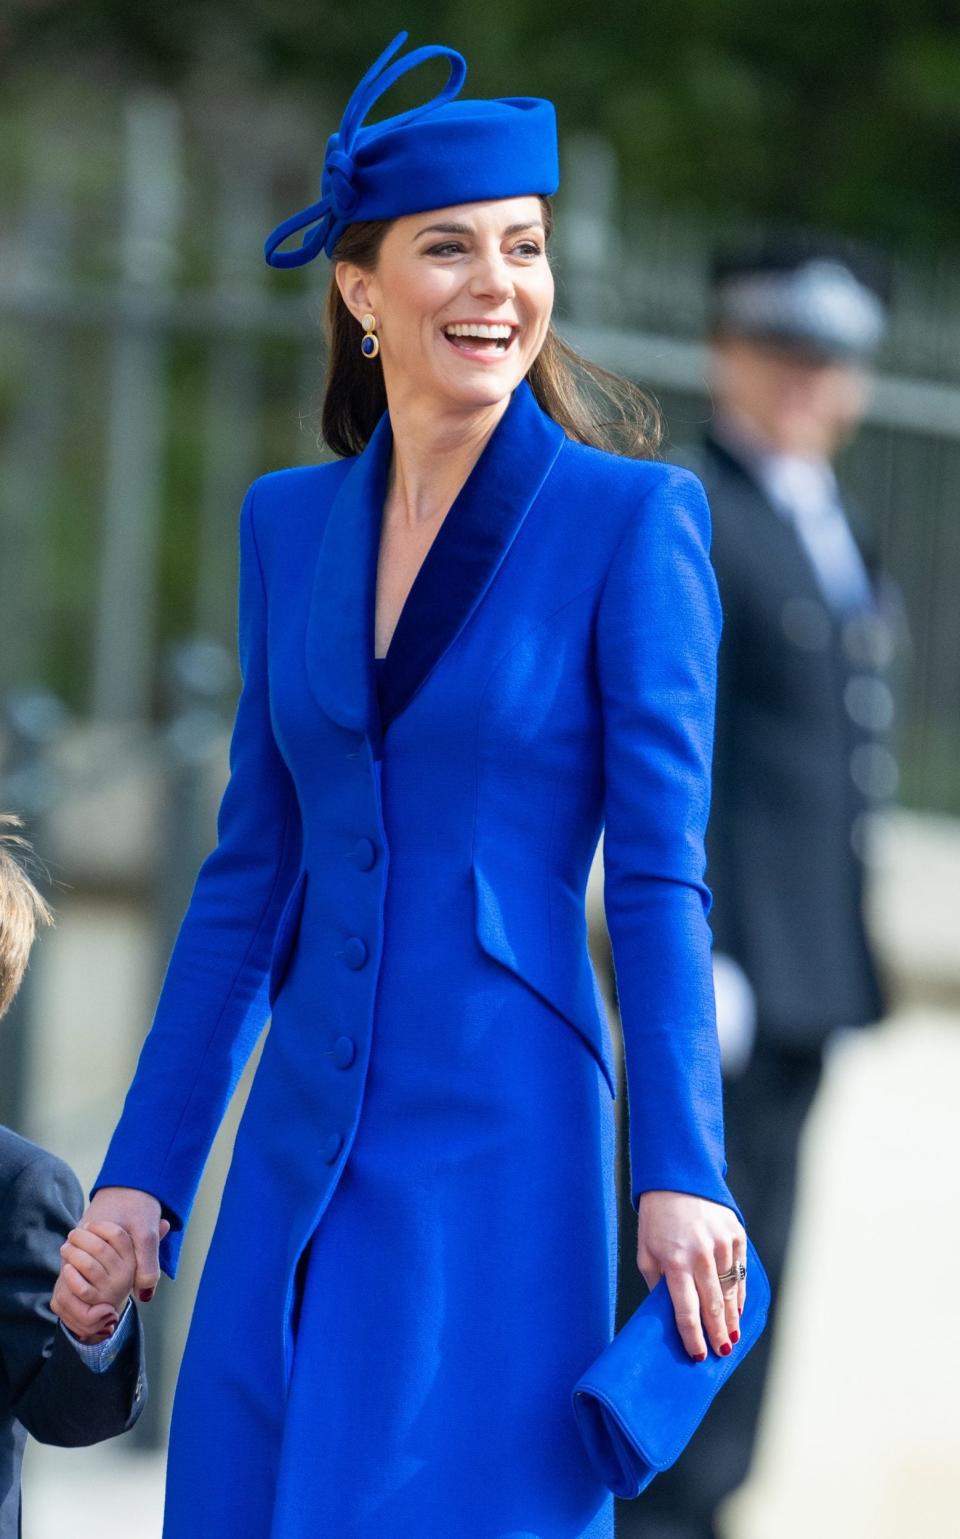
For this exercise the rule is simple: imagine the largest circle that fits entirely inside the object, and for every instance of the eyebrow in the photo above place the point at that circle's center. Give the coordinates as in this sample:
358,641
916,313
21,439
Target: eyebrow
466,229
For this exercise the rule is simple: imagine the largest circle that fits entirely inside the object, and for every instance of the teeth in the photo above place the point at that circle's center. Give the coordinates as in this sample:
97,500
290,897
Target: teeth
491,333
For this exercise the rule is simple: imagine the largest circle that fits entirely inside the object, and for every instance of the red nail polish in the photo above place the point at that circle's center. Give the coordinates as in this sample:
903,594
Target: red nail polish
701,1357
726,1349
145,1295
734,1336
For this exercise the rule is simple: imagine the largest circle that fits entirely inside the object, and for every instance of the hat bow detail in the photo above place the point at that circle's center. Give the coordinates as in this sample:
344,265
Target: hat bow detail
325,220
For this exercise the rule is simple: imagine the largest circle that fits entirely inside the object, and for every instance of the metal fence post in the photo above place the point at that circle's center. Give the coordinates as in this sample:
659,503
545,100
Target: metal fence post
36,431
123,648
589,232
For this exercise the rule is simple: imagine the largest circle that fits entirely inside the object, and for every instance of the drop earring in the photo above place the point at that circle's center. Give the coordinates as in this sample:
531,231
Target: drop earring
370,344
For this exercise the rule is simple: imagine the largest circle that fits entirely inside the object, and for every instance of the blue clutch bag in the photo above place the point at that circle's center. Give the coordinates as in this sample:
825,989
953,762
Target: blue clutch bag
640,1402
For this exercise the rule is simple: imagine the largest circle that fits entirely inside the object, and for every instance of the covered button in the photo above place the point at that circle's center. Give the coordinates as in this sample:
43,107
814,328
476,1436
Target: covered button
355,951
344,1052
364,853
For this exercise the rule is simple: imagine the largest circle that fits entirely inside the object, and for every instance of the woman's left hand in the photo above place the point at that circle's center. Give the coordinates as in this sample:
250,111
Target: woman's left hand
691,1242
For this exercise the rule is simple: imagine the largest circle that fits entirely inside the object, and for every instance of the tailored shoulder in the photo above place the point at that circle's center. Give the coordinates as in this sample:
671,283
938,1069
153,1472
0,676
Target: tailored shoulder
25,1168
298,485
623,476
291,506
624,490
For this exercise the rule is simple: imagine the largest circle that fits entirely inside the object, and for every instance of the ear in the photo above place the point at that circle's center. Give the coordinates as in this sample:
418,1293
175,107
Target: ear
354,285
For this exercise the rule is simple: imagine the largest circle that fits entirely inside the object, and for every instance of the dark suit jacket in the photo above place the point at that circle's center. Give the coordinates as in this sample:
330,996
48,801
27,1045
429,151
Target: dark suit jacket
785,836
45,1387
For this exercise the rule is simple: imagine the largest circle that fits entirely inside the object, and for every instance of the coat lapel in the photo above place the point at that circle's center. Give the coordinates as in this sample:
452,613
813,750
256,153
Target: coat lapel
469,546
340,623
456,572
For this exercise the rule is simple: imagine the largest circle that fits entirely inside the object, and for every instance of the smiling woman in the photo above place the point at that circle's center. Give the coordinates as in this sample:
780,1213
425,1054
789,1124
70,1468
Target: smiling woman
414,1260
592,405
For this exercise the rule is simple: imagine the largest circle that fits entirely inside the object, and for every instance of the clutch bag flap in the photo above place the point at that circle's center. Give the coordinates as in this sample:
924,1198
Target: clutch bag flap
642,1399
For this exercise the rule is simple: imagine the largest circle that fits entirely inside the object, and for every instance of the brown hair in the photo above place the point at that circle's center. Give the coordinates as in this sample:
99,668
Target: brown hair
21,907
591,404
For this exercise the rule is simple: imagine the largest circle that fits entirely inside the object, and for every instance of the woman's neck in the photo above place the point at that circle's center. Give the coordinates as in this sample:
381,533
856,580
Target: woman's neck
433,454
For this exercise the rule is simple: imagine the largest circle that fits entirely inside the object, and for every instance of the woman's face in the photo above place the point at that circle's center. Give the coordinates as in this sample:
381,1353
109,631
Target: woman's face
442,274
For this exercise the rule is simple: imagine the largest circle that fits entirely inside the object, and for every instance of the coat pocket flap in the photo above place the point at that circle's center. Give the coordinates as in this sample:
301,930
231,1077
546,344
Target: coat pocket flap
288,927
549,954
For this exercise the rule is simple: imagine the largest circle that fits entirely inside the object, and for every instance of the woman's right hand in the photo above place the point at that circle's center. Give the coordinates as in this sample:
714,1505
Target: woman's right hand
139,1214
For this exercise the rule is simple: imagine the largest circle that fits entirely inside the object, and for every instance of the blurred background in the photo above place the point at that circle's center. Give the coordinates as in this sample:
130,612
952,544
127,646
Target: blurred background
151,365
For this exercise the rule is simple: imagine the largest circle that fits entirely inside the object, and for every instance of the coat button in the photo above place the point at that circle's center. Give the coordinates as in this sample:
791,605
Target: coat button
364,854
344,1052
806,622
355,952
869,702
874,771
331,1147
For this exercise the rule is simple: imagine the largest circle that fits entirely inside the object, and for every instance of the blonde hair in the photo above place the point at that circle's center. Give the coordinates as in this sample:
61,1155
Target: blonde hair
21,909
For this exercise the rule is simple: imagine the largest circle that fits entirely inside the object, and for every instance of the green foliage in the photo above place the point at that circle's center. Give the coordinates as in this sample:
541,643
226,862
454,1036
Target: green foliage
832,112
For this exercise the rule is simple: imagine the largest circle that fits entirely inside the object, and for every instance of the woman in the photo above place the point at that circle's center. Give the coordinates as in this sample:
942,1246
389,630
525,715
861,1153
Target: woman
414,1259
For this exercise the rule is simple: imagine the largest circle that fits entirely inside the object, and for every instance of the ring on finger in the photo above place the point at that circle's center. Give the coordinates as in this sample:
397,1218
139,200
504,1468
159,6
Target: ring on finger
736,1274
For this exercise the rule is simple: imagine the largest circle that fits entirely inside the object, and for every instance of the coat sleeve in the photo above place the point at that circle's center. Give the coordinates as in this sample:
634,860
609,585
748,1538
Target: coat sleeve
658,630
52,1392
213,1001
722,864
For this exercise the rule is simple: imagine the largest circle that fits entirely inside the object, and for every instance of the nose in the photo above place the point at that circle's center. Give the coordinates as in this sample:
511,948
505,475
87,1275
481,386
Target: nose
491,278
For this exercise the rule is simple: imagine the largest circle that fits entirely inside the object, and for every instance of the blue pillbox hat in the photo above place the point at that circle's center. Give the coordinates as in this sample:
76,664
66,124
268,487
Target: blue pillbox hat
441,153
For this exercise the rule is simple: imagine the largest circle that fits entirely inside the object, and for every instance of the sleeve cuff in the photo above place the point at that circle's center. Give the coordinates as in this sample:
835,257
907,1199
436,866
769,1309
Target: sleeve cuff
101,1355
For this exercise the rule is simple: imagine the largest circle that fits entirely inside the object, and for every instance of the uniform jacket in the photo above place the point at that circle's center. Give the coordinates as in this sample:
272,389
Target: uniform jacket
45,1388
795,719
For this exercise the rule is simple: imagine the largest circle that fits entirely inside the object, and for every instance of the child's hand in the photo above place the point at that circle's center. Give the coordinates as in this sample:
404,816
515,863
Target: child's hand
96,1278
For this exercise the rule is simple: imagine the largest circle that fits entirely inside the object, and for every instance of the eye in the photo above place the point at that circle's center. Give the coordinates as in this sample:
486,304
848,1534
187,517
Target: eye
528,248
445,248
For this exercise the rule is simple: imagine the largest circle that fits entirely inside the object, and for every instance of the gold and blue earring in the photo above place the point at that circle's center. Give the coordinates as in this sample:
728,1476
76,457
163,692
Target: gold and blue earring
370,344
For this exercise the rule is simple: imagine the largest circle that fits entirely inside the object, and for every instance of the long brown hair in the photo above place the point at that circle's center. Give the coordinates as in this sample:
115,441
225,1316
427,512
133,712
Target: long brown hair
591,404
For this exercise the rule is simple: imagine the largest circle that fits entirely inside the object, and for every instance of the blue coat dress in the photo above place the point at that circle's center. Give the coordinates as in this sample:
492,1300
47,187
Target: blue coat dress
415,1254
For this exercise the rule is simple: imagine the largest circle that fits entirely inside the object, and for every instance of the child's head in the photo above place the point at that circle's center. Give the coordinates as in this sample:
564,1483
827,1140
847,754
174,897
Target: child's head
21,907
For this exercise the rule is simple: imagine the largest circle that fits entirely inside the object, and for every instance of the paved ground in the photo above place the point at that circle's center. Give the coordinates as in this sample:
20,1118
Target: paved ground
862,1438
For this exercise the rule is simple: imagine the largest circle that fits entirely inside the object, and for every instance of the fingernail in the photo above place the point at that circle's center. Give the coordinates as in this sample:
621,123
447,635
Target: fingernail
740,1309
145,1295
726,1349
701,1357
734,1336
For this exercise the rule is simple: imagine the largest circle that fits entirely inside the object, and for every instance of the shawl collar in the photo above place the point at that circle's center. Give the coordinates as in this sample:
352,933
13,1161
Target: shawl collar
455,574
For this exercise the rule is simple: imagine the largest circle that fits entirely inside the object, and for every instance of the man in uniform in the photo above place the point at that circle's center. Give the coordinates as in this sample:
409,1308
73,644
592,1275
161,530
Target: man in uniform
804,707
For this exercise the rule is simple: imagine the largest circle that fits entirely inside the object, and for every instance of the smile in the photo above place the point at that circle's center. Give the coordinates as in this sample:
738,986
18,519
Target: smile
481,339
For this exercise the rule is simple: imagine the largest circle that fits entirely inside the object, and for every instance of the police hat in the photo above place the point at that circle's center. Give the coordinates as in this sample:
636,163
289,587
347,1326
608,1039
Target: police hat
815,295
